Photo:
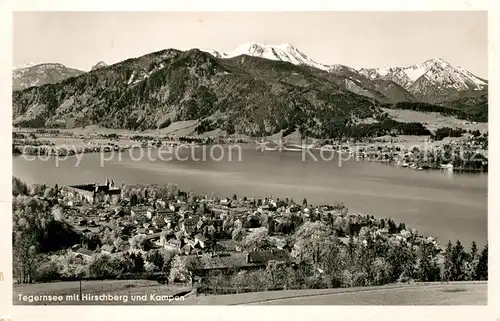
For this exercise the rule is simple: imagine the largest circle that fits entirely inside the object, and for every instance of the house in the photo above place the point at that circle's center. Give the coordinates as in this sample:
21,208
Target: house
263,208
278,241
211,230
188,225
153,237
170,218
172,244
140,219
191,243
237,260
165,212
161,204
92,192
158,221
263,257
83,253
383,231
201,240
238,223
107,249
219,211
226,245
72,203
138,210
150,212
186,250
200,224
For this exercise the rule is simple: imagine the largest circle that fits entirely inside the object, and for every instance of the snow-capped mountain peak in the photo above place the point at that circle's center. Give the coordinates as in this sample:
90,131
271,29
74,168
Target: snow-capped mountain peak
436,69
432,79
281,52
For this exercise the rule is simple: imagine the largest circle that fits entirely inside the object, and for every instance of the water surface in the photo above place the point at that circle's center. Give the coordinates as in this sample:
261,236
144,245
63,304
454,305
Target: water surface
437,203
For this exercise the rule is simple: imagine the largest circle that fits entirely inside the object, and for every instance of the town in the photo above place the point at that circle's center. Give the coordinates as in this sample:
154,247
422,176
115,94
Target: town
219,244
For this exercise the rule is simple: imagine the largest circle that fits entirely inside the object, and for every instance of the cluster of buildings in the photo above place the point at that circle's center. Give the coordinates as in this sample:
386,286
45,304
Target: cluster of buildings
92,192
186,229
207,229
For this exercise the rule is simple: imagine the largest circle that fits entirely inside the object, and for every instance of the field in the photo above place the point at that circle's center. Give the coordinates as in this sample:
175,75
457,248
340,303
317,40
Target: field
434,121
453,293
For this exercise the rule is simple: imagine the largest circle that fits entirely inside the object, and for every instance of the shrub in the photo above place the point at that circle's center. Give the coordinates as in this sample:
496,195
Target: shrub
48,271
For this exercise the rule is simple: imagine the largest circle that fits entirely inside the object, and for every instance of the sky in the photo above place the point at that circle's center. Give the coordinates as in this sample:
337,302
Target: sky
356,39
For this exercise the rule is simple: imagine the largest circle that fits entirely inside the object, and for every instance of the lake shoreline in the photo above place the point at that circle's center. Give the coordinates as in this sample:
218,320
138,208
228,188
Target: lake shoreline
386,155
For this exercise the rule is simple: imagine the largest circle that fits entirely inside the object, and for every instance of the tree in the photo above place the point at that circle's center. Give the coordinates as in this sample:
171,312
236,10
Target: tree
160,261
457,259
392,226
334,263
381,271
172,191
137,242
31,219
103,266
19,187
482,265
57,213
257,239
201,208
473,251
48,193
136,263
448,263
133,200
471,261
193,266
217,282
238,234
304,202
24,249
427,267
313,241
276,274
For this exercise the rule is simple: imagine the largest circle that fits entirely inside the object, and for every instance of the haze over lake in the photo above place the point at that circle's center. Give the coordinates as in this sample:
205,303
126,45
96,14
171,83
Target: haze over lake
437,203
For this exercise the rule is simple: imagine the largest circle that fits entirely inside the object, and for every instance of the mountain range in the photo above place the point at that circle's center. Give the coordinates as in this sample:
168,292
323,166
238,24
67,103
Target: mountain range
434,80
255,89
41,74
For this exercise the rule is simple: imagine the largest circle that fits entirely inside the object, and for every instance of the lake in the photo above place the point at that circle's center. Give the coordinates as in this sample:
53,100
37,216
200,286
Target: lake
437,203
